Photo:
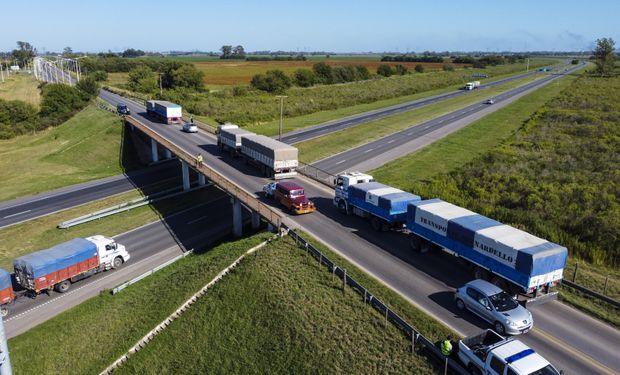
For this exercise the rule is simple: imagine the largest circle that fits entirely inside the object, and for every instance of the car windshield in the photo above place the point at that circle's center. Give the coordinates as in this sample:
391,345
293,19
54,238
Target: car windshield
296,193
503,302
547,370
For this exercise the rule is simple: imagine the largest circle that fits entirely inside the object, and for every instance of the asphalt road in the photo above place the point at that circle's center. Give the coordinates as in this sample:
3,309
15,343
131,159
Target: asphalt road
28,208
369,156
149,246
427,281
319,130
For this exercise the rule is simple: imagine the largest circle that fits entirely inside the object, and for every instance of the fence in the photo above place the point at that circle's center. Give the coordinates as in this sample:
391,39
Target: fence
417,339
316,174
595,280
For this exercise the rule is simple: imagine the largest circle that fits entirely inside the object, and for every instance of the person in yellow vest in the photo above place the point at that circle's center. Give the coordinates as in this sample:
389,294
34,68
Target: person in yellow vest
446,346
199,160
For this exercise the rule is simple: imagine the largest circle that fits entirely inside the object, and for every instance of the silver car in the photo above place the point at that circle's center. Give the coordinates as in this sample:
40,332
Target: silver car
190,128
495,306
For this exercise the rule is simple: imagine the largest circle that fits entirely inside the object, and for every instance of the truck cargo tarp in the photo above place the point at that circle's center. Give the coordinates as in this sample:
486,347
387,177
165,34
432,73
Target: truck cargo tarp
44,262
383,196
272,148
5,279
235,134
435,214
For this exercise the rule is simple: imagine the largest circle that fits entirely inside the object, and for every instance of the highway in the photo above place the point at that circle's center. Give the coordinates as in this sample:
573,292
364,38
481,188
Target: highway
149,246
319,130
378,152
27,208
427,281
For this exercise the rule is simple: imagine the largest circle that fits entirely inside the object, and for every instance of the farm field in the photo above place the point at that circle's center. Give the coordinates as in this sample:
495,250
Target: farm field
307,310
22,87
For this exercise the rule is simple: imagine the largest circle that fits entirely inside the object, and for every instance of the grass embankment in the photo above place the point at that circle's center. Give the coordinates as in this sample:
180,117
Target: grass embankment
22,87
333,143
553,175
86,147
279,312
41,233
90,336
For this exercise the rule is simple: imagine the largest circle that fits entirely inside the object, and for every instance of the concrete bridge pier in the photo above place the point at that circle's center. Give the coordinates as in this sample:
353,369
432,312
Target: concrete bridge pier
201,179
237,217
185,174
255,220
154,153
167,154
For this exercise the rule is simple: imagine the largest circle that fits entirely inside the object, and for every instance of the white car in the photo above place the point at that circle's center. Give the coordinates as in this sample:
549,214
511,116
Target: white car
270,189
490,101
190,128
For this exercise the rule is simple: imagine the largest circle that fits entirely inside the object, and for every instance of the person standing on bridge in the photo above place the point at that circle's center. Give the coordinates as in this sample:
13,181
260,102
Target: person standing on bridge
191,119
446,346
199,160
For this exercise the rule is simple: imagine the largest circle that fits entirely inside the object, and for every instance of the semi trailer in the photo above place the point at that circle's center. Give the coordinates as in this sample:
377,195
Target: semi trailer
163,111
229,138
274,158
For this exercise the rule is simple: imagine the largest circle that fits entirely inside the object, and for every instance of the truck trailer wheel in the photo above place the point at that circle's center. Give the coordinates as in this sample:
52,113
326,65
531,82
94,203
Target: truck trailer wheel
342,207
4,312
62,286
118,261
416,243
376,223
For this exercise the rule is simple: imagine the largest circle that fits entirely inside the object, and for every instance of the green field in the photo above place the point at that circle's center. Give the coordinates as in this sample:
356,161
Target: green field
86,147
22,87
333,143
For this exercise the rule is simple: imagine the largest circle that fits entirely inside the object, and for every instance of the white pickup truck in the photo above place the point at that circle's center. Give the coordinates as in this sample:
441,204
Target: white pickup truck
490,353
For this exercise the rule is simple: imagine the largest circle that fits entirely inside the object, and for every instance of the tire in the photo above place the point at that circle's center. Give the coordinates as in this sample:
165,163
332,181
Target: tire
376,223
4,311
416,243
342,207
62,286
460,304
499,328
118,261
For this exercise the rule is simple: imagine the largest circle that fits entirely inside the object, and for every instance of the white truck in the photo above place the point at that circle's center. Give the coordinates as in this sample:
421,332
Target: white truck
166,112
229,138
274,158
472,85
491,354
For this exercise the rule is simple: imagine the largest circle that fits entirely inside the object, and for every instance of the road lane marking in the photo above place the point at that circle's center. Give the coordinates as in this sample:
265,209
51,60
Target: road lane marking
291,139
367,151
392,141
341,161
19,213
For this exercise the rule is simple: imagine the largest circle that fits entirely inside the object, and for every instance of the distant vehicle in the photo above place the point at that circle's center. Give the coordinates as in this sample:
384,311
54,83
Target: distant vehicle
7,295
544,69
122,109
489,101
59,266
164,111
495,306
480,75
490,354
472,85
229,138
290,195
190,128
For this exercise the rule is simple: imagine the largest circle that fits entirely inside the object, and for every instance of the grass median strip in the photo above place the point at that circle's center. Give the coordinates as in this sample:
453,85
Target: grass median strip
279,312
331,144
41,233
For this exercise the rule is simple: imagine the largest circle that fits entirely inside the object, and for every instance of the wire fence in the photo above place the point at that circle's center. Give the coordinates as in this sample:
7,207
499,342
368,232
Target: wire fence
418,341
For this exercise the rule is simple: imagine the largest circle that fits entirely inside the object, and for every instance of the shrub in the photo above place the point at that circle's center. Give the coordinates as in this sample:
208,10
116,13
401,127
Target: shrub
400,69
419,68
142,79
89,87
239,90
362,72
304,77
448,67
344,73
323,73
274,81
384,70
59,102
16,117
99,75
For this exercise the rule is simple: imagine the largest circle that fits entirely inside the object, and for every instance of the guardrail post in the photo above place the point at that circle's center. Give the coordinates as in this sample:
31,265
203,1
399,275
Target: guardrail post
154,153
344,279
185,173
255,220
605,287
237,217
575,273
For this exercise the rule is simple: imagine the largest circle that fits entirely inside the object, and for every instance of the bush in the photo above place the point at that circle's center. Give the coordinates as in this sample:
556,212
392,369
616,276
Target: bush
362,72
323,73
99,75
400,69
239,91
16,117
448,67
59,102
142,79
187,76
89,87
384,70
304,77
344,73
274,81
419,68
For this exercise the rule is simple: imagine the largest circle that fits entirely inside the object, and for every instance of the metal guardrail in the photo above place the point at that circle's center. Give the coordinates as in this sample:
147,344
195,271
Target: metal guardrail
316,174
591,293
270,214
417,339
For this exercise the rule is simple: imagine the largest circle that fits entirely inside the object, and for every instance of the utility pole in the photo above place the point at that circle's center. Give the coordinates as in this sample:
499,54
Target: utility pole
5,361
161,90
281,97
527,69
2,73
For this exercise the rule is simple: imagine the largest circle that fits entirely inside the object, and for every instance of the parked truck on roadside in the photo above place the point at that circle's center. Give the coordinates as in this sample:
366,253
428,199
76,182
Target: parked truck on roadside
386,207
512,259
472,85
274,158
61,265
7,295
491,354
163,111
229,138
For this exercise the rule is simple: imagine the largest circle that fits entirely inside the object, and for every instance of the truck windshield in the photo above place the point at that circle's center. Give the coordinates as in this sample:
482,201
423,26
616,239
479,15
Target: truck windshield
503,302
547,370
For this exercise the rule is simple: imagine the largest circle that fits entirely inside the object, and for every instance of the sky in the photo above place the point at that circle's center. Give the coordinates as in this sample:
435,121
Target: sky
304,26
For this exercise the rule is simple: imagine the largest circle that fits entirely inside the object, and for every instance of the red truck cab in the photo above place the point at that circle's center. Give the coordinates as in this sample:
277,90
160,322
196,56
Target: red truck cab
291,196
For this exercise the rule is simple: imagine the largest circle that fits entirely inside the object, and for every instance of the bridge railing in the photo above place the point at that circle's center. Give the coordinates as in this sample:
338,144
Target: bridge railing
247,199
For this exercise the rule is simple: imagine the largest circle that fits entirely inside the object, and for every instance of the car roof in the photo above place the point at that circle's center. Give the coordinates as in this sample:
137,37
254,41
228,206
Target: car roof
485,287
289,185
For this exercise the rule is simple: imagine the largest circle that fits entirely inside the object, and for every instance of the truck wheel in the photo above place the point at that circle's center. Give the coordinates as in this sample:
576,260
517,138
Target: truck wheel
342,207
118,261
499,328
62,286
460,304
4,311
416,243
376,224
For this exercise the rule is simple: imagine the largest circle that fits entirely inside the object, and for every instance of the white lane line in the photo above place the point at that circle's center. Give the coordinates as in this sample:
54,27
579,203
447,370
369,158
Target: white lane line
392,141
19,213
367,151
409,134
341,161
292,139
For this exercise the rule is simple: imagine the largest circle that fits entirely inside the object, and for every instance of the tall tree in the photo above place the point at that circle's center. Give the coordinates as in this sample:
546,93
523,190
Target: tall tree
24,53
226,52
67,51
604,55
239,52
